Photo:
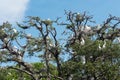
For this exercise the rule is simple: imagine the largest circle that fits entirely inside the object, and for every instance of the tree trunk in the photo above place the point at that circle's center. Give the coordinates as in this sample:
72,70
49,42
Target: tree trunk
58,66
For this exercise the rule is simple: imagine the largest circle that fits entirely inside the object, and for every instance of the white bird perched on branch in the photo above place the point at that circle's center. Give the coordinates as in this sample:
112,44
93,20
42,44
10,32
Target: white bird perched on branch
99,47
82,41
70,77
15,48
118,39
6,40
51,45
48,37
87,28
19,55
28,36
14,30
103,46
40,27
98,26
83,60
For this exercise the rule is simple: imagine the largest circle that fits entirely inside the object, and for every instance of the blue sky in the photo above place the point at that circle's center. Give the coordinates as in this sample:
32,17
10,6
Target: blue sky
100,9
16,10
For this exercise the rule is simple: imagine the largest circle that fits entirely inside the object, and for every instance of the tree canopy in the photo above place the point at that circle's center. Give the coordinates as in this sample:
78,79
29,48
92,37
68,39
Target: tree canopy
87,51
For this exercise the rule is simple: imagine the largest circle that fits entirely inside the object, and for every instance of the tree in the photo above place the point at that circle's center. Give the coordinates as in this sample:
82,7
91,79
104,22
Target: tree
93,51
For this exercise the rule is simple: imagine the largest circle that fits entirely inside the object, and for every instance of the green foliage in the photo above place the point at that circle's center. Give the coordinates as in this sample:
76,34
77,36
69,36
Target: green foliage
94,51
3,72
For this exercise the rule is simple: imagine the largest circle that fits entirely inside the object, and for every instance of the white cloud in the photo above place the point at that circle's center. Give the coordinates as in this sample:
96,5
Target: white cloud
12,10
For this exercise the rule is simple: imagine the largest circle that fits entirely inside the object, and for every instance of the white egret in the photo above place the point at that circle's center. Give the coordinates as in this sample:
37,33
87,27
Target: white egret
9,73
15,48
99,47
87,28
49,55
83,60
19,55
70,77
72,35
51,45
28,36
48,38
104,45
5,40
39,27
82,41
14,30
118,39
98,26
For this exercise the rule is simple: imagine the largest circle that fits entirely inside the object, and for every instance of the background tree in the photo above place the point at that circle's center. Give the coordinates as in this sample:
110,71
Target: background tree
94,50
45,45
